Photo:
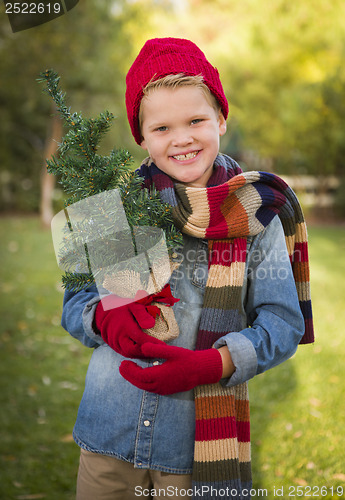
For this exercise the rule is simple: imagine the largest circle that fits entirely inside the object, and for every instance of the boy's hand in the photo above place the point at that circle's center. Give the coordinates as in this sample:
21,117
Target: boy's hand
183,369
121,325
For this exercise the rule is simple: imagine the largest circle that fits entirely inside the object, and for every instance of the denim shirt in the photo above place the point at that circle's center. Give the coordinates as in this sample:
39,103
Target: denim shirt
117,419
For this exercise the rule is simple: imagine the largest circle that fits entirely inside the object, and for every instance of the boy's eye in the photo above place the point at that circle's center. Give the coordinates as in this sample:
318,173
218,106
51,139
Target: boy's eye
197,120
163,128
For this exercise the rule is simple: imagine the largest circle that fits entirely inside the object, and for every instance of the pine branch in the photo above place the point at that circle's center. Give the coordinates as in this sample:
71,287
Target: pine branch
75,282
82,173
81,170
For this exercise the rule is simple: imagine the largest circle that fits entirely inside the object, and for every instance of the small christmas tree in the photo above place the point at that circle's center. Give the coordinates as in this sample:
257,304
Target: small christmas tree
83,173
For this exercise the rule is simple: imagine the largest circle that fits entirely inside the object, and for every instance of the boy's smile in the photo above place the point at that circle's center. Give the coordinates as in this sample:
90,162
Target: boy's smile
181,133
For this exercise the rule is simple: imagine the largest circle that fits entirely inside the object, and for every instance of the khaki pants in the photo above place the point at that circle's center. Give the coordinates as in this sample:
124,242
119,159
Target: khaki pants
107,478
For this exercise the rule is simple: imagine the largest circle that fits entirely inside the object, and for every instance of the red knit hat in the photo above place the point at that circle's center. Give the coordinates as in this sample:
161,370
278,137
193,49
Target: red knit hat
160,57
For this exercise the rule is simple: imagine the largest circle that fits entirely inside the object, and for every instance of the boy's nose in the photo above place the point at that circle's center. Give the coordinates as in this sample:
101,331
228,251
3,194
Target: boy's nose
182,139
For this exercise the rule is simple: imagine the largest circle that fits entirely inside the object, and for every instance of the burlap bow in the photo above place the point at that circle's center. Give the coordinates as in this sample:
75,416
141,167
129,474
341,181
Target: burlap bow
157,318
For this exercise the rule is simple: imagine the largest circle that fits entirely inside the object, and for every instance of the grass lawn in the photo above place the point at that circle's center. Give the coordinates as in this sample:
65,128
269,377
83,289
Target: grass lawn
298,416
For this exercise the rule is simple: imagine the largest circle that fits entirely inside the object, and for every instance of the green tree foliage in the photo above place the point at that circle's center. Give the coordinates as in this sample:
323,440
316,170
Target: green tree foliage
89,47
83,173
281,64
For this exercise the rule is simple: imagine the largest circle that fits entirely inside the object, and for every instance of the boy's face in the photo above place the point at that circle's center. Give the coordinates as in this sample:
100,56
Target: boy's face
181,133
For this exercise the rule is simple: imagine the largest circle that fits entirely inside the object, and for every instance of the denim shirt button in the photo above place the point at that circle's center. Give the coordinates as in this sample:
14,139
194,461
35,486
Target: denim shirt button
146,423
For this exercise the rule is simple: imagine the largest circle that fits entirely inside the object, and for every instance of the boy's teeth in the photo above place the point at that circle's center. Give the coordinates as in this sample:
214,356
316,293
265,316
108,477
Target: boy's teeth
186,157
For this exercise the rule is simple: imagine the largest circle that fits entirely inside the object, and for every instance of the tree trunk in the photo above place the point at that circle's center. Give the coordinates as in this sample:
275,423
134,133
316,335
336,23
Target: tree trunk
48,180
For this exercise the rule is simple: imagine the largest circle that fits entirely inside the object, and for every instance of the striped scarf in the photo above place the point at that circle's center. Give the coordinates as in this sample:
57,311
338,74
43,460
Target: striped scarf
233,206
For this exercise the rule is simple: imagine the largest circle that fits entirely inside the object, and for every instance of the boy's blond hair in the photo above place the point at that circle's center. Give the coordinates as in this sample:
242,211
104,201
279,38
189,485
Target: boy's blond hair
176,81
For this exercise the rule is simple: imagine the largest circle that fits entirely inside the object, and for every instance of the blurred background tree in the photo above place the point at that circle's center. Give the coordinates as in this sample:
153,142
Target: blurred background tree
88,47
281,67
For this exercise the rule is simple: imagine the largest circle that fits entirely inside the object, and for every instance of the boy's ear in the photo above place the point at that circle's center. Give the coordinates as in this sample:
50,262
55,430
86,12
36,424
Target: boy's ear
222,123
143,144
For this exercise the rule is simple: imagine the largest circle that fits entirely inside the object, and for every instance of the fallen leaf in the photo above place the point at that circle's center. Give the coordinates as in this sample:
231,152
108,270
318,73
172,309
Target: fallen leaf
67,439
300,481
32,390
46,380
315,413
315,402
13,246
340,476
68,385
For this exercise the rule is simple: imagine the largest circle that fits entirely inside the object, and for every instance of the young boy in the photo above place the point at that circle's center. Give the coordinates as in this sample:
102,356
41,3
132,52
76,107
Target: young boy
173,418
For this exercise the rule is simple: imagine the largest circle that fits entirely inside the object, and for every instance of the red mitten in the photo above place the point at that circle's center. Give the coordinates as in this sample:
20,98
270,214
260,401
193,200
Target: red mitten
121,324
183,369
